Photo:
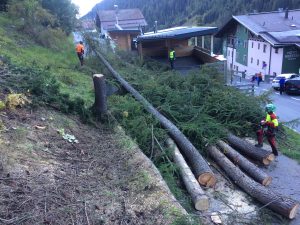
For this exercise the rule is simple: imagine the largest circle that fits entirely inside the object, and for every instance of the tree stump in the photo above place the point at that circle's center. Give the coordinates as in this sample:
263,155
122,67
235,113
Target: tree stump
100,105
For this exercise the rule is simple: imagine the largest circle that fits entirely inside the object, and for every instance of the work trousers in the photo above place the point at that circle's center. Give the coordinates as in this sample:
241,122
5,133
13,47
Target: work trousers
172,63
271,139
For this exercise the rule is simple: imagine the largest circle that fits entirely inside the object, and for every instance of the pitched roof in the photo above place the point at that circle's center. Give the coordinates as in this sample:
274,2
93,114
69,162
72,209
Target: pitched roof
178,33
127,18
272,26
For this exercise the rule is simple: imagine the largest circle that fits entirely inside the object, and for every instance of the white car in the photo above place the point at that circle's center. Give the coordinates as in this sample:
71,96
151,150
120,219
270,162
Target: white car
287,76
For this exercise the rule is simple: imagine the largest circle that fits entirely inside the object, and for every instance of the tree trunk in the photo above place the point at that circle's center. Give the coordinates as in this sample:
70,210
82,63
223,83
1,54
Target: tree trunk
198,196
199,166
249,150
280,204
100,104
251,169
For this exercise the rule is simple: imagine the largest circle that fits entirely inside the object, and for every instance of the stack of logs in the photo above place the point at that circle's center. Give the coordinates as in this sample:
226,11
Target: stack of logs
243,172
227,158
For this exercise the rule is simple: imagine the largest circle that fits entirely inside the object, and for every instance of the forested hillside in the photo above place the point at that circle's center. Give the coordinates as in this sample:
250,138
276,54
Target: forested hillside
197,12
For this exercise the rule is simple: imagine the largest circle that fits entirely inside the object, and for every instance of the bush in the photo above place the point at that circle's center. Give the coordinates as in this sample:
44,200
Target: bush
51,38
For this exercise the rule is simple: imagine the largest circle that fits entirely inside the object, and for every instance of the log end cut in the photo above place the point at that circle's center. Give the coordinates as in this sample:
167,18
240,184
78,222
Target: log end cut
271,157
267,181
201,203
294,211
266,162
207,179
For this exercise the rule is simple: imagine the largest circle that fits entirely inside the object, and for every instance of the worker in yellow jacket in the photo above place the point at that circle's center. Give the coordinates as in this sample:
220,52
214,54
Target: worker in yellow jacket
172,58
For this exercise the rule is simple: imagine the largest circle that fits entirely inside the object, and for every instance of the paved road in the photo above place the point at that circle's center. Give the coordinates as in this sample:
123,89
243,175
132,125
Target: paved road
288,106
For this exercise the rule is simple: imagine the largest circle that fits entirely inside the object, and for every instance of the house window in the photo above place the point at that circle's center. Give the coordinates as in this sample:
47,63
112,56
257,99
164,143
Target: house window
237,68
265,47
257,62
228,53
234,67
245,44
251,59
258,46
244,58
276,50
252,44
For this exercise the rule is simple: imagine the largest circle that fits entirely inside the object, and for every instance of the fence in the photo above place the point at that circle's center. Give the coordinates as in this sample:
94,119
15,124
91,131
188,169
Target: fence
248,89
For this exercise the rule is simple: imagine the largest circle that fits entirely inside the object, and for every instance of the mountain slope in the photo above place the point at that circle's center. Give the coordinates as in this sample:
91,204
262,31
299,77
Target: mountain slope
204,12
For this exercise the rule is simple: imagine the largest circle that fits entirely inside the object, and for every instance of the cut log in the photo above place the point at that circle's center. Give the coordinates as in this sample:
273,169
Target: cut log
198,196
276,202
249,150
247,166
199,166
100,104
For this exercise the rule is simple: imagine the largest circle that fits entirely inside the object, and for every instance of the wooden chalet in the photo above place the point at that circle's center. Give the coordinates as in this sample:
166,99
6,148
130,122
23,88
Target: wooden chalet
122,26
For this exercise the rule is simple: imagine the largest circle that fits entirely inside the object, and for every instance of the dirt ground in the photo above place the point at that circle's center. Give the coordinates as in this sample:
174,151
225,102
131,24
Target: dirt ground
102,179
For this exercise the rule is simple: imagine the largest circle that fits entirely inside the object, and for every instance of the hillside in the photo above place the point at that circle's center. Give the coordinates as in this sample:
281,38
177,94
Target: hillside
205,12
55,169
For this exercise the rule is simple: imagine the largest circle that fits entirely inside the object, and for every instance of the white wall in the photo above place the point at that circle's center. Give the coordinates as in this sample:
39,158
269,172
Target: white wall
258,54
276,61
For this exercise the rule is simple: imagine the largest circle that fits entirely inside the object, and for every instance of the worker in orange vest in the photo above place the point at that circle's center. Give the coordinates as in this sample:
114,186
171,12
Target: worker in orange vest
80,52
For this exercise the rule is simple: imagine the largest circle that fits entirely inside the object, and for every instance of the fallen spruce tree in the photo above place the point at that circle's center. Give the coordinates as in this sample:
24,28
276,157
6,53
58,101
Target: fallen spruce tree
249,150
252,170
198,164
278,203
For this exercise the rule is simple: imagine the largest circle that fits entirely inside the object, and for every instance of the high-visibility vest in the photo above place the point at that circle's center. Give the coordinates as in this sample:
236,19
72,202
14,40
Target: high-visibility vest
172,53
79,48
273,119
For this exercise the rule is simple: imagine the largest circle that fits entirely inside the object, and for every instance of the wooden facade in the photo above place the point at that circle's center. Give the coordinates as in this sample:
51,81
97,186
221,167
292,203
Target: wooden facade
124,39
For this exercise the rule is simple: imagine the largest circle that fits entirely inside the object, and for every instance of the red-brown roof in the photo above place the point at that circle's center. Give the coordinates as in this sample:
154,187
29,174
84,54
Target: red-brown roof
127,18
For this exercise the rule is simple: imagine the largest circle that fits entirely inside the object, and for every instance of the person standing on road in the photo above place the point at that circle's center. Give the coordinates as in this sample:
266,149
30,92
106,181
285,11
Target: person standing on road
259,78
269,127
172,58
80,52
281,84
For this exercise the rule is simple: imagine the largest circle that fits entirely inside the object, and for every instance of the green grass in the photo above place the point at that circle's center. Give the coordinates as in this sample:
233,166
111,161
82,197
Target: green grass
289,144
63,63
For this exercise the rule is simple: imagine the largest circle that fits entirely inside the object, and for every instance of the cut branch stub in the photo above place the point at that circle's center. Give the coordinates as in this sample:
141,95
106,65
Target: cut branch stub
249,150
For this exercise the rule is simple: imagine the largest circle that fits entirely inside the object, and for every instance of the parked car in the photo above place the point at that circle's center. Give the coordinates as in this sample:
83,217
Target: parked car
287,76
292,86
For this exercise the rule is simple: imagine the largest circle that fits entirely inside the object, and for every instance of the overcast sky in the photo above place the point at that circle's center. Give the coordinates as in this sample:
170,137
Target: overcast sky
85,5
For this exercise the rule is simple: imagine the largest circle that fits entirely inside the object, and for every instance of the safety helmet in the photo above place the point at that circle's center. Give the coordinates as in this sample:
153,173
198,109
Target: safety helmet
270,108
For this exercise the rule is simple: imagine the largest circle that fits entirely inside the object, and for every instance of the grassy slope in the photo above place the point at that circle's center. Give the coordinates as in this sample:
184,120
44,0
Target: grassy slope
63,63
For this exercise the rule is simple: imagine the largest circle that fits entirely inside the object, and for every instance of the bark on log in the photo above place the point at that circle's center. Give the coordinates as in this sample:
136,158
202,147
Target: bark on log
199,166
278,203
100,104
250,151
247,166
198,196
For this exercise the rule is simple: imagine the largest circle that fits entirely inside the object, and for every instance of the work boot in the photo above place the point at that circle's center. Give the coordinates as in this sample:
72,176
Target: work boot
259,145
